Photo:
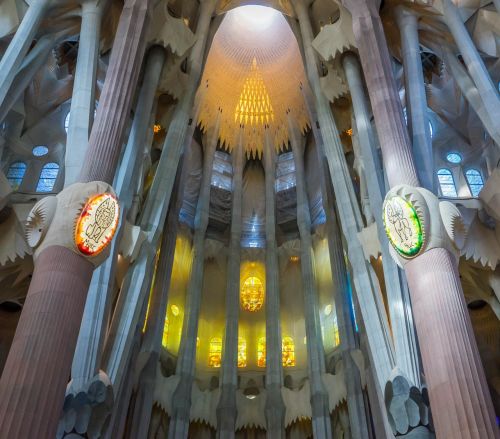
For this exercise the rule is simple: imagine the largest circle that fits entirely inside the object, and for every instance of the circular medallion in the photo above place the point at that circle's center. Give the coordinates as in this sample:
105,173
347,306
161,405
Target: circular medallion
97,224
403,226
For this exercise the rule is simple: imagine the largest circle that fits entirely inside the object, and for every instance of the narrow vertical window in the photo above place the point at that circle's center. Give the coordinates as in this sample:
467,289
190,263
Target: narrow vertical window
164,339
15,174
261,352
288,352
215,352
48,177
475,181
446,183
242,352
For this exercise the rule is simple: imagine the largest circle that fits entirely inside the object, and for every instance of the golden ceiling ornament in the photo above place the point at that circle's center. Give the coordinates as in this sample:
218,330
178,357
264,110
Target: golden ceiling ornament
254,75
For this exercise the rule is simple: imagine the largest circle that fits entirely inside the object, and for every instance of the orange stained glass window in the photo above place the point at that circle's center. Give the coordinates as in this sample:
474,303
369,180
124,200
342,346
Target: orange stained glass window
252,294
242,352
215,352
164,338
261,352
288,352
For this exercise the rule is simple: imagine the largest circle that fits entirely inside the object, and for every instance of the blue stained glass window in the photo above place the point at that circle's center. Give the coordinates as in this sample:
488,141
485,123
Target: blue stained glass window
446,183
454,157
475,181
48,177
40,150
15,174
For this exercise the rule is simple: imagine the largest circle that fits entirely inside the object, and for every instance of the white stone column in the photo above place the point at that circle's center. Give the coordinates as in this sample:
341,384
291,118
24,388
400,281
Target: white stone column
315,353
84,83
416,101
226,408
20,43
185,369
365,281
275,407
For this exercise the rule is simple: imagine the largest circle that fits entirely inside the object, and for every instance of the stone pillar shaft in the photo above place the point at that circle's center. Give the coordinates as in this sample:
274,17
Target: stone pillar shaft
63,271
399,302
226,409
315,352
450,358
275,407
84,83
416,100
20,43
181,400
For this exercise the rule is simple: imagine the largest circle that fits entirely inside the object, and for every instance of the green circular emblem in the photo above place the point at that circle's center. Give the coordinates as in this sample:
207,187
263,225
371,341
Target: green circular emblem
403,226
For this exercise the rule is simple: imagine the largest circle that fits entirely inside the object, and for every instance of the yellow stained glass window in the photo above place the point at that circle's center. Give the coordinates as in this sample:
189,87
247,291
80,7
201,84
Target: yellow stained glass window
252,294
261,352
164,338
336,334
288,352
215,352
242,352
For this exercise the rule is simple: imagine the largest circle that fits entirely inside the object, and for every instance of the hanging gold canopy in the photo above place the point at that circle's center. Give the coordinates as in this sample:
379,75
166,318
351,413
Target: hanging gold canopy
253,75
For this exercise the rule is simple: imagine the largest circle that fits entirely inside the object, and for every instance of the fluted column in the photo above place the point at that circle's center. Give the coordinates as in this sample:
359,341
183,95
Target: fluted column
20,43
48,327
226,409
315,353
181,399
405,343
416,100
459,396
365,281
84,84
275,407
475,65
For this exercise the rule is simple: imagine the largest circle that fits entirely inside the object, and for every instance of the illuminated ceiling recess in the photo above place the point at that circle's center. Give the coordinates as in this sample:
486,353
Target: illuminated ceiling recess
253,73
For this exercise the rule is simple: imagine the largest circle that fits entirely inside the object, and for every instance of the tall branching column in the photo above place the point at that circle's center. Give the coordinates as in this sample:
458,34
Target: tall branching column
275,407
181,400
460,400
226,409
365,281
84,84
20,43
416,101
321,422
405,343
47,331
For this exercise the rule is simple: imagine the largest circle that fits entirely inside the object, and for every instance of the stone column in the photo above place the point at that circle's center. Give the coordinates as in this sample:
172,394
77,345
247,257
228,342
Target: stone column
47,331
475,65
416,100
226,409
84,83
365,281
275,407
405,343
459,396
181,399
20,44
315,353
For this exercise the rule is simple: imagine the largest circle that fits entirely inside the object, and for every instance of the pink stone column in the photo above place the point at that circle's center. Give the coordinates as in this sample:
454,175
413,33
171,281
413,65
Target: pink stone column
33,382
460,401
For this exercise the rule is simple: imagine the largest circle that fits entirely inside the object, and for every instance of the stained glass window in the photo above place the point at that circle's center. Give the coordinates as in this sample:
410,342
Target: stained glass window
40,150
288,352
66,122
261,352
164,338
215,352
15,174
242,352
336,335
454,157
252,294
48,177
475,181
446,183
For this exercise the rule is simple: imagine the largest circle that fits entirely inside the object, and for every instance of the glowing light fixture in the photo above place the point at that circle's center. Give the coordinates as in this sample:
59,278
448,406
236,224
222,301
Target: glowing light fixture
294,258
97,224
215,352
157,128
175,310
252,294
403,226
